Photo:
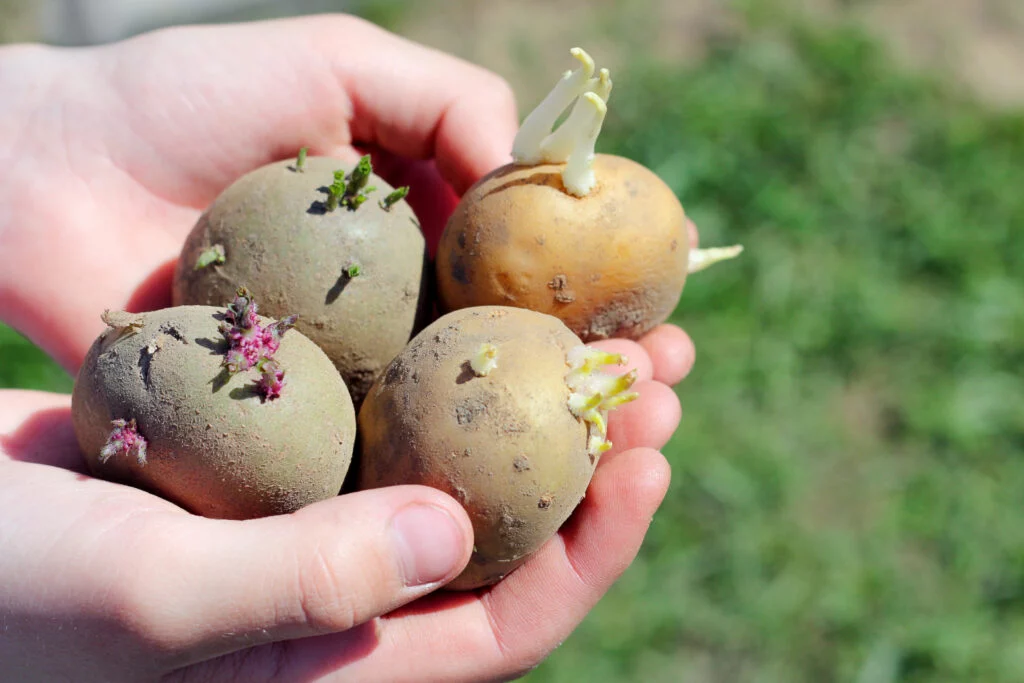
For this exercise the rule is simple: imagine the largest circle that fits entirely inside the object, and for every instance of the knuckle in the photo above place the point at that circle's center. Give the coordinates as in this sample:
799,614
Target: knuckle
331,596
325,605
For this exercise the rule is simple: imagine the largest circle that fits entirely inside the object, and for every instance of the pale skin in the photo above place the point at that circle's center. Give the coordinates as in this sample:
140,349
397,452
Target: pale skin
107,156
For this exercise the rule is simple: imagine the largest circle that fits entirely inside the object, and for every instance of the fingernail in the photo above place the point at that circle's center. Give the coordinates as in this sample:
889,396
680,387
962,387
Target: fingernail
428,543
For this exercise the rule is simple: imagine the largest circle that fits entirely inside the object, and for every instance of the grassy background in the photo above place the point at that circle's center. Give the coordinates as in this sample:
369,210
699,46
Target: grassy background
848,471
850,466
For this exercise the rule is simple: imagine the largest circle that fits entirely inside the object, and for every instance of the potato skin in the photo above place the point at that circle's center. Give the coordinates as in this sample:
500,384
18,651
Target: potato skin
611,264
505,445
290,254
214,448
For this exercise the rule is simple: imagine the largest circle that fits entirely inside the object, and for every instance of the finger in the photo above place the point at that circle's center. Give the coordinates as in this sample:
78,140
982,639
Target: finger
691,229
422,103
225,586
671,351
649,421
518,622
265,89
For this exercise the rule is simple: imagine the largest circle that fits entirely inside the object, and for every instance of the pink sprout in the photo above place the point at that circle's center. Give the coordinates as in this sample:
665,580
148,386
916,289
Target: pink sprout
271,380
124,440
251,343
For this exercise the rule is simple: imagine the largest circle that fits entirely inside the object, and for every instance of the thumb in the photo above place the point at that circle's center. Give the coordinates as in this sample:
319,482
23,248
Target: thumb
228,585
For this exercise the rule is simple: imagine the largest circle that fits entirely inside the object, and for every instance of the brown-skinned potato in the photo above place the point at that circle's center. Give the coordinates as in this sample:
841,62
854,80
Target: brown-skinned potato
478,406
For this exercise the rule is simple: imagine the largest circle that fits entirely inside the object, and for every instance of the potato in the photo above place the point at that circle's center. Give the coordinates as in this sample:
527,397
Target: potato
611,264
503,409
595,239
357,276
154,406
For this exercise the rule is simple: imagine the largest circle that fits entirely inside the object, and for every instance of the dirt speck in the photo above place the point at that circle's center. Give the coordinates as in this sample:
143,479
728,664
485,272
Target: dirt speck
560,284
545,501
170,331
521,463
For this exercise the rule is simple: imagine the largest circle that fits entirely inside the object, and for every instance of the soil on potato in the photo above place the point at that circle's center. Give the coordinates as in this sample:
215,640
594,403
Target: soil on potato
505,445
215,447
359,280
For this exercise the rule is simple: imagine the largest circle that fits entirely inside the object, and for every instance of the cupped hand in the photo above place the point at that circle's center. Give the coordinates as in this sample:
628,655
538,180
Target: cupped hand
111,153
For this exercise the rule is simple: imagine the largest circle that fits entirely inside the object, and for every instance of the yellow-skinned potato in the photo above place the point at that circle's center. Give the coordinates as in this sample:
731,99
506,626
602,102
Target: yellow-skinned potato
597,240
505,410
515,240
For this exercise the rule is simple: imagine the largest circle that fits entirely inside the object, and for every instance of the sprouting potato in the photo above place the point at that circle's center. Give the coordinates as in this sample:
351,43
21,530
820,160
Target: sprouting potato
221,411
597,240
504,409
343,251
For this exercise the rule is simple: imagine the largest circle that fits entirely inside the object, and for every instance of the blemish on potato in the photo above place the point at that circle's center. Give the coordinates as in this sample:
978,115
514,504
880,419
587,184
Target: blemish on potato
171,330
447,335
145,358
459,270
545,501
469,410
505,285
521,463
563,295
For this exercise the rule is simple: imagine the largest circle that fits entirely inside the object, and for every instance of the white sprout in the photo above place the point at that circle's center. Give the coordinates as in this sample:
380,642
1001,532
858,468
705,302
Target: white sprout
485,360
704,258
573,142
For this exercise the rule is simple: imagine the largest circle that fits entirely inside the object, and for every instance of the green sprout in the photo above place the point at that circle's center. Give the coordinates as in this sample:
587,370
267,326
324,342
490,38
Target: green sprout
350,190
336,191
300,163
353,270
394,198
213,255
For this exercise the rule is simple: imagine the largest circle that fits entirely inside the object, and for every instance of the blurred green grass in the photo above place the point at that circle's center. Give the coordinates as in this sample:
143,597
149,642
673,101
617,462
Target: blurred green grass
24,365
849,469
850,465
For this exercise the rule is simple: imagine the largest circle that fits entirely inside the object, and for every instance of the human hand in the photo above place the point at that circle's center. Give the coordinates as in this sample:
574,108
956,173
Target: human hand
113,153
